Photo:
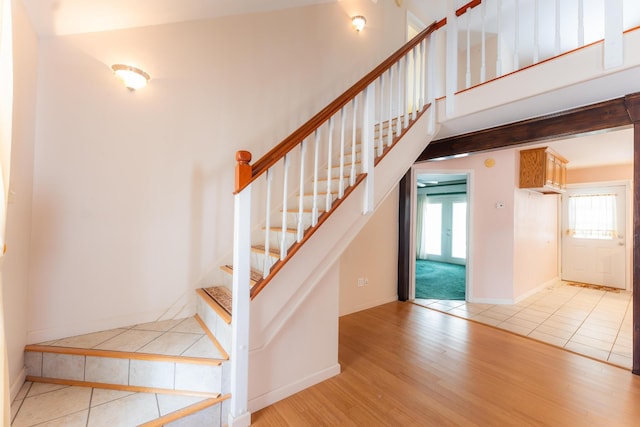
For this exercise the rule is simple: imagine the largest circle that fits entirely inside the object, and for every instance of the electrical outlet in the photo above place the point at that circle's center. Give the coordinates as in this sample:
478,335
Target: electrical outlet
361,282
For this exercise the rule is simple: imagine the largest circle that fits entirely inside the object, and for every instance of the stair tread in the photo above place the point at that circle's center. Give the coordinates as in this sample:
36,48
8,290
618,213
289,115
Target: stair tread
273,252
256,275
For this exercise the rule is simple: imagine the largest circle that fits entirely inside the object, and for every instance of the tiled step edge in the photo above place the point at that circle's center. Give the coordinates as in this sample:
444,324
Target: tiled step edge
137,389
129,369
215,318
181,416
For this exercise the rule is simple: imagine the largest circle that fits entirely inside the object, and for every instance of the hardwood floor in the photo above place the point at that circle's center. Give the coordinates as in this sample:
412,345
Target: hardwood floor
405,365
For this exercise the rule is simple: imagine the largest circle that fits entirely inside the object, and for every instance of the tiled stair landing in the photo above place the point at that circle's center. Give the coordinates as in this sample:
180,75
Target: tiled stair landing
173,372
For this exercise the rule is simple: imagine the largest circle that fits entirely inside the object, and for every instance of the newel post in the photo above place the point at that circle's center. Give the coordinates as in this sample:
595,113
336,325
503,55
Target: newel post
239,415
243,169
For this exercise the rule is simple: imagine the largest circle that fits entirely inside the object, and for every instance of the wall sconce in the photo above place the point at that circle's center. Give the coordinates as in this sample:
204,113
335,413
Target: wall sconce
358,22
132,77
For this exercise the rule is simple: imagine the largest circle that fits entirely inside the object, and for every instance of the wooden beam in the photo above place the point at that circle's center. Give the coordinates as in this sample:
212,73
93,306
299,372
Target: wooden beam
633,107
600,116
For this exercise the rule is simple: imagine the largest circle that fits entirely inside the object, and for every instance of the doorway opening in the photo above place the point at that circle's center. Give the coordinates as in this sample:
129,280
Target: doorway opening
441,237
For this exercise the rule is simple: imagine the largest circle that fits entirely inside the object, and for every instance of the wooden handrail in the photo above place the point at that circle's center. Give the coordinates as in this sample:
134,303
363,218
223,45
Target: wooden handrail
290,142
473,3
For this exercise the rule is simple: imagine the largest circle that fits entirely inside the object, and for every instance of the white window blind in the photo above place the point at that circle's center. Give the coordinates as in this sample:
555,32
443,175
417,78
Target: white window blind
593,216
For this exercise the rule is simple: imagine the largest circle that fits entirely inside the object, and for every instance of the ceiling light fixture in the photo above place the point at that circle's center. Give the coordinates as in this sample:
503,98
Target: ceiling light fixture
358,22
132,77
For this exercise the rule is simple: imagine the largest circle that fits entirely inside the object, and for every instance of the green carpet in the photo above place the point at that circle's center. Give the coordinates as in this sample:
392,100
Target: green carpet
439,280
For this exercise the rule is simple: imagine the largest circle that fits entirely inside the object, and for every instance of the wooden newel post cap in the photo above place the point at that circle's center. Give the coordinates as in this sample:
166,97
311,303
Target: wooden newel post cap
243,170
243,157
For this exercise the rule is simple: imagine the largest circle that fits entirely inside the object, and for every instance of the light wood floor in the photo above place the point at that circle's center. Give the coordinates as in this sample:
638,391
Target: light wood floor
405,365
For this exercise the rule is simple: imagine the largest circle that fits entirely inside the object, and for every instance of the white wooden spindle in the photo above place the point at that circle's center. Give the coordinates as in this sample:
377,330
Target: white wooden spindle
330,160
580,23
303,156
352,175
368,150
380,144
451,74
239,369
431,61
483,66
285,192
343,124
266,267
390,133
423,72
468,73
400,97
536,36
499,39
557,44
516,38
406,90
316,157
414,110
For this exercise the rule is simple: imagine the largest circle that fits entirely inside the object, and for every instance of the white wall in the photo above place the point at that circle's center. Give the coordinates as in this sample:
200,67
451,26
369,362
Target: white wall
491,236
132,191
373,255
16,263
536,241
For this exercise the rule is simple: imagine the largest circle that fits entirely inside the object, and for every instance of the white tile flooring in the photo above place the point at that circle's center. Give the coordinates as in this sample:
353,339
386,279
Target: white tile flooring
41,404
587,321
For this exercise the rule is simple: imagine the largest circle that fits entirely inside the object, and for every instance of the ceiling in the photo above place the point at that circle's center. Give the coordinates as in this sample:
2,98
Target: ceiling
63,17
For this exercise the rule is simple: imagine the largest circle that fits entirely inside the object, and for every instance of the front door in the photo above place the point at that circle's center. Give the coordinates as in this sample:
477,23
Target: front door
594,236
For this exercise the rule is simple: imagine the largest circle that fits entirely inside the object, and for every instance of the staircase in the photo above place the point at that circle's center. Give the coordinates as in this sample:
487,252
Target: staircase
173,373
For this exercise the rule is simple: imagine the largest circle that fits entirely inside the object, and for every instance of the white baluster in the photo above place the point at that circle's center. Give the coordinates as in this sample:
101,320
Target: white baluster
368,154
414,111
285,192
423,72
316,156
380,122
329,172
451,74
239,375
483,66
343,121
536,36
580,23
400,98
557,44
352,175
266,267
406,90
613,34
303,155
499,39
468,74
516,38
431,61
390,134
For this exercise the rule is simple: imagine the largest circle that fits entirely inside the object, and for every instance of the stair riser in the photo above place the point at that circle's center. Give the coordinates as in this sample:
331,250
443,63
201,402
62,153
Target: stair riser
218,327
346,170
275,239
159,374
213,416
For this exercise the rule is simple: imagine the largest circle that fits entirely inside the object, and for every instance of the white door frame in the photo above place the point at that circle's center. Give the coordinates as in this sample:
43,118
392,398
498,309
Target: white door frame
628,238
415,171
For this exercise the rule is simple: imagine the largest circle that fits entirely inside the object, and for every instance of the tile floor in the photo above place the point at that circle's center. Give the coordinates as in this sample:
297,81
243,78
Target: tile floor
40,404
177,337
591,322
59,405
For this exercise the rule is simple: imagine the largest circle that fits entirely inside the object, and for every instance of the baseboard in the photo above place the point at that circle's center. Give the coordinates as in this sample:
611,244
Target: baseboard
14,388
536,289
243,420
369,304
278,394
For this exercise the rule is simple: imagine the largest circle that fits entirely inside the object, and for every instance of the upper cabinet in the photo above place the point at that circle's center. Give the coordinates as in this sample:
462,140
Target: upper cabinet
543,170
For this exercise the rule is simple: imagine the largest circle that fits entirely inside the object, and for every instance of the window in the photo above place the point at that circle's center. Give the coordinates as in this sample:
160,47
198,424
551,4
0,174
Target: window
592,216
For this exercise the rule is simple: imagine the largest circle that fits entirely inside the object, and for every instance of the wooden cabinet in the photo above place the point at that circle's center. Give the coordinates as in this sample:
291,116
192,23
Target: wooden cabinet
543,170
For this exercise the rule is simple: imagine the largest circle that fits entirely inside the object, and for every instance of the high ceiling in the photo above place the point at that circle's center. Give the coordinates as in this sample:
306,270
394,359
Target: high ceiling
62,17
